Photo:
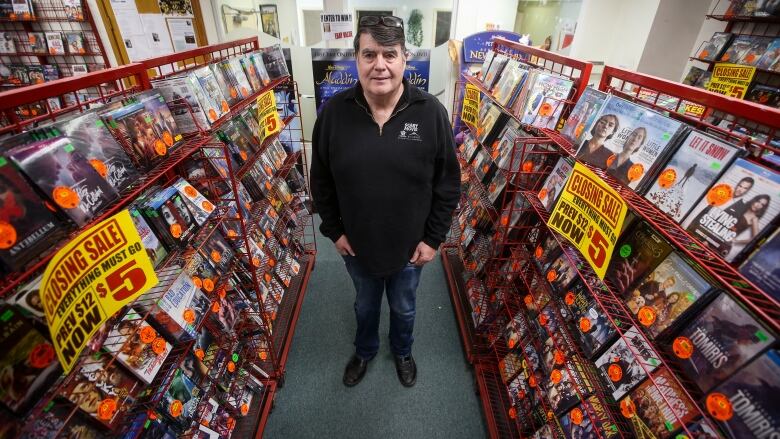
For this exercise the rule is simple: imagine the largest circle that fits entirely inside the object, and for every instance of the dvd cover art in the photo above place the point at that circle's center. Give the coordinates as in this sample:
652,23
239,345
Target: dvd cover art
183,103
207,90
737,209
180,401
639,251
162,119
27,298
37,42
739,46
713,48
554,183
75,43
665,294
63,173
227,84
51,73
694,73
137,346
98,380
751,396
179,308
153,246
7,43
566,385
545,100
770,60
559,272
257,61
583,114
628,141
505,90
620,368
578,423
54,43
28,365
73,10
251,73
758,47
274,62
493,74
198,205
91,137
489,55
724,338
135,125
491,125
663,407
509,366
226,315
244,87
27,227
691,170
762,266
764,95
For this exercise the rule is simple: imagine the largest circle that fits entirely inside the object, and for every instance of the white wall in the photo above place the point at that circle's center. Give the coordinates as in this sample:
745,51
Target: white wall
613,32
473,15
708,27
674,30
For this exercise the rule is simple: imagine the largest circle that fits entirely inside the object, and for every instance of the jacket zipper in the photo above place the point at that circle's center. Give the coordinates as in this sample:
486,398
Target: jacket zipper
388,119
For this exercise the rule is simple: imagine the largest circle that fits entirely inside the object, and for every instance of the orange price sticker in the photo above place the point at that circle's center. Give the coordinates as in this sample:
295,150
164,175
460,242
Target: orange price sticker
569,298
615,372
175,230
627,408
167,138
189,315
244,409
148,334
682,347
543,319
552,275
636,171
559,357
231,366
197,282
99,167
556,376
512,412
528,166
176,408
216,256
41,356
158,346
215,307
719,406
511,343
646,315
8,235
576,416
106,409
160,148
199,354
667,178
719,194
585,324
65,197
528,299
538,252
543,194
208,285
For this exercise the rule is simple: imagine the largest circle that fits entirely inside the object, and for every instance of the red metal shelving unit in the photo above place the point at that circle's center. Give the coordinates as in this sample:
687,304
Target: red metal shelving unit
264,346
718,107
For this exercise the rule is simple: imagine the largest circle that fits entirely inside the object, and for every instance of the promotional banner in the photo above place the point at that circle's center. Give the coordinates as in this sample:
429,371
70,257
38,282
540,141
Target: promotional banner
590,214
336,26
267,115
470,111
731,79
90,279
335,70
476,45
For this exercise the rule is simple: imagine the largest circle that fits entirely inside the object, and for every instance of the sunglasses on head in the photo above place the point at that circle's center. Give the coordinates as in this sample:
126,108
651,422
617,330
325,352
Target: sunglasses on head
385,20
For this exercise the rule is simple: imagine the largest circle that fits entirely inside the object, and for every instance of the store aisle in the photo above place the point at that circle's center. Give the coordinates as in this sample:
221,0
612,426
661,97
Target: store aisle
315,404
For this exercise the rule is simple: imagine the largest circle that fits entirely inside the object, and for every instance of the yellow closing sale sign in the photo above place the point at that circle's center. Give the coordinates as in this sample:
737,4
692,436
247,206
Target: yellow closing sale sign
267,116
90,279
470,111
589,213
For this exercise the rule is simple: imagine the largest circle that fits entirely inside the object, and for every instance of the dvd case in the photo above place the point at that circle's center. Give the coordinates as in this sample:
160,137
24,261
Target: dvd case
691,170
713,49
622,367
638,252
724,338
554,183
583,114
762,266
66,177
137,346
661,406
737,210
274,61
545,100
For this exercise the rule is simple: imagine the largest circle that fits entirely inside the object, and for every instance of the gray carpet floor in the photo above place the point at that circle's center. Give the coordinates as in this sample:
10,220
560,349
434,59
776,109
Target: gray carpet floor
315,404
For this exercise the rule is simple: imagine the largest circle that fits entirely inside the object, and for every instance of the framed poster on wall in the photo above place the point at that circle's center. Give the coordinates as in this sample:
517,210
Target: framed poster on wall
270,20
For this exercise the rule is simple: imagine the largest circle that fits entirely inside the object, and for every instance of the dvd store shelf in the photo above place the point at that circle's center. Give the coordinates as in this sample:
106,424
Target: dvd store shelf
543,316
261,244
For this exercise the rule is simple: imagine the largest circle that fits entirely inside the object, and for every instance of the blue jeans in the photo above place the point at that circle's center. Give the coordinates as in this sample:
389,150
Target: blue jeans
401,288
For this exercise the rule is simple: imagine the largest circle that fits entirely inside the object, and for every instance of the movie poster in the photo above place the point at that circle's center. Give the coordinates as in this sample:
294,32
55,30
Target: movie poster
335,70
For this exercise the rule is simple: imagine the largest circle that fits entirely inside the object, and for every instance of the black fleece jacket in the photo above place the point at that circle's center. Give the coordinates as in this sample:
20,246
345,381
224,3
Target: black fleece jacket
387,189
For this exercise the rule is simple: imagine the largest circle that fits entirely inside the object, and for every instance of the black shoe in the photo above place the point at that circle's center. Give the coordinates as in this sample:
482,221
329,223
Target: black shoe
407,370
356,369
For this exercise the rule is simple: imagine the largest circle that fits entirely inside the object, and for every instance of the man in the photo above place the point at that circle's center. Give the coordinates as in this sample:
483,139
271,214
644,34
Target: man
385,181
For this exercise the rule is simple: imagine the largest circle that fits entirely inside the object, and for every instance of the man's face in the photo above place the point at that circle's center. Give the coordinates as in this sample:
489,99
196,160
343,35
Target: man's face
742,188
380,68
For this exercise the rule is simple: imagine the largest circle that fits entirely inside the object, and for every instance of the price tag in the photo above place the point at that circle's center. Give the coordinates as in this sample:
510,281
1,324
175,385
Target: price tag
267,116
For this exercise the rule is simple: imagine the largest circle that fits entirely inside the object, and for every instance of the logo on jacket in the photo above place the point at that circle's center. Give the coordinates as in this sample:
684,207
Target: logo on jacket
410,133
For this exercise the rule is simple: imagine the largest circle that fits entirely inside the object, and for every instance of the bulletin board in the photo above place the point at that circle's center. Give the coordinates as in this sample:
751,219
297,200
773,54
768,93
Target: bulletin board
141,29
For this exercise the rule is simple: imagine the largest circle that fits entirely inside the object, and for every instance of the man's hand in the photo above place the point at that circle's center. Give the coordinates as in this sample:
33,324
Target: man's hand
422,254
343,247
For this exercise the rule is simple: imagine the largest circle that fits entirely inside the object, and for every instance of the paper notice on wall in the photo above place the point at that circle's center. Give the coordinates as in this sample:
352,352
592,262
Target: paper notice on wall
156,32
336,26
182,34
